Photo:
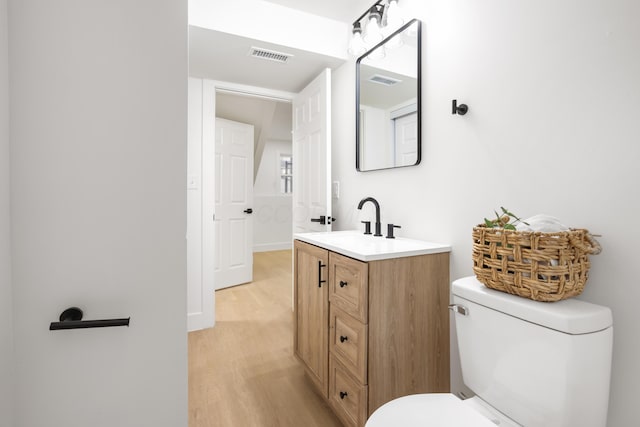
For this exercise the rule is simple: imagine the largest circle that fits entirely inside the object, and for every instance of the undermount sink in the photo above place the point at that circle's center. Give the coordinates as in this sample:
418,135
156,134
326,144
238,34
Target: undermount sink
355,244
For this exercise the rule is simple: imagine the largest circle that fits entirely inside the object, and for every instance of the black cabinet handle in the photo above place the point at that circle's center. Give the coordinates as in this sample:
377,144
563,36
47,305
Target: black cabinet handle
71,318
343,338
320,281
343,284
248,211
343,394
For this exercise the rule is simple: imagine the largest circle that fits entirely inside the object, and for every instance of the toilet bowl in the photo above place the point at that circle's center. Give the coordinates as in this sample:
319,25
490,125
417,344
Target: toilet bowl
436,409
530,363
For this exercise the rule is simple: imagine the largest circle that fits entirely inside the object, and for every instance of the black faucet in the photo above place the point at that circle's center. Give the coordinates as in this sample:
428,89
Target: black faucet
377,205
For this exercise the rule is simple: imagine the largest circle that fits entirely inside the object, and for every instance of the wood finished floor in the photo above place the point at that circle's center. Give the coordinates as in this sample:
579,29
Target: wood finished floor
242,373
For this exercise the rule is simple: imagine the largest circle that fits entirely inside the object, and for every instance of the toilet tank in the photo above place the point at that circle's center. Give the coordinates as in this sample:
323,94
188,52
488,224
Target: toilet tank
541,364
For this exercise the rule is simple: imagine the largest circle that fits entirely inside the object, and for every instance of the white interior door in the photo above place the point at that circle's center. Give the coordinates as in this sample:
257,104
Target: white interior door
233,263
406,139
98,216
312,156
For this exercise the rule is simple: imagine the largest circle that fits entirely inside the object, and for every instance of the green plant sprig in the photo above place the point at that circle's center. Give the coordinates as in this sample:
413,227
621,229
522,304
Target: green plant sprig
508,220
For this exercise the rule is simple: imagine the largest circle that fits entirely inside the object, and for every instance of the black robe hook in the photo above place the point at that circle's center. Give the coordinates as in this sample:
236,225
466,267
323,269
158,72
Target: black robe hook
458,109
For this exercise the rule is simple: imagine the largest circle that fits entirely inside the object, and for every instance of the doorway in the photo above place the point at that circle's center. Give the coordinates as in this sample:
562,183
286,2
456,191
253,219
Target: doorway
272,183
266,111
310,130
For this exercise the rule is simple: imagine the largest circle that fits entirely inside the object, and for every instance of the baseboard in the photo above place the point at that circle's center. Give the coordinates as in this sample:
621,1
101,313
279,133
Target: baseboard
198,321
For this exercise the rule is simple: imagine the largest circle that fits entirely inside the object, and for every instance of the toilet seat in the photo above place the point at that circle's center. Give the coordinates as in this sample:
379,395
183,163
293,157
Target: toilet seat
422,410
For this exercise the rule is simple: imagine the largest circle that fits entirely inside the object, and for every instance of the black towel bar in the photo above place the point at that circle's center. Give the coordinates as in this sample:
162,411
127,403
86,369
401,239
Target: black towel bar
71,318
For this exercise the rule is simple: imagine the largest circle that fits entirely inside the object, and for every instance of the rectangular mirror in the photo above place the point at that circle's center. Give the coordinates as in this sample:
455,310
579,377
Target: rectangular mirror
388,102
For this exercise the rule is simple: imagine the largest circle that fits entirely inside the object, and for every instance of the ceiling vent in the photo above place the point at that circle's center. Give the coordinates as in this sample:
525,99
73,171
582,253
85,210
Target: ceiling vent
270,55
384,80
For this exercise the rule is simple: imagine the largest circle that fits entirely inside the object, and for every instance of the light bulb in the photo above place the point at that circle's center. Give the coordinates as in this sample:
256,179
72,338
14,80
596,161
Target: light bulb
373,33
356,45
394,19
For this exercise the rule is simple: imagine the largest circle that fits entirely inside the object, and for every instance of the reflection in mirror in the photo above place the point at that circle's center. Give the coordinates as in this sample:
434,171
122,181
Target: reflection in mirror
286,173
388,102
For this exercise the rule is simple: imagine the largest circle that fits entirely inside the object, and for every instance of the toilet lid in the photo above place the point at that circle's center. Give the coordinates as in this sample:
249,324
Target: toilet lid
421,410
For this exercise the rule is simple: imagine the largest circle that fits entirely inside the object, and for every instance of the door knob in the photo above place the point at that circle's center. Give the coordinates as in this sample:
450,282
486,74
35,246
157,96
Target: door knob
71,318
322,220
248,211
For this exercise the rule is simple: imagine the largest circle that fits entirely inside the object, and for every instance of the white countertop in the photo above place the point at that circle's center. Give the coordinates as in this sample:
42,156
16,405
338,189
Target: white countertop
355,244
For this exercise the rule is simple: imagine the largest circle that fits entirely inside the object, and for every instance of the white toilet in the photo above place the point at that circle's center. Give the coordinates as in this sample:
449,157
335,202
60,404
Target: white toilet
530,364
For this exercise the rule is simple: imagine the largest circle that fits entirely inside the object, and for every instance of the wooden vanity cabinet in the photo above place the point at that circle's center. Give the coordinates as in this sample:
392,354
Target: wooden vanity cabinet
368,332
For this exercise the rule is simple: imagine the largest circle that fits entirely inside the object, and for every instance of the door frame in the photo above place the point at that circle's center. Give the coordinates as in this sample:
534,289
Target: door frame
252,91
200,282
204,285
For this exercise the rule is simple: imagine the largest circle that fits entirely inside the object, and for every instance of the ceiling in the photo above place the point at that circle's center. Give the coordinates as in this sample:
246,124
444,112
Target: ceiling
225,57
254,111
340,10
220,56
383,96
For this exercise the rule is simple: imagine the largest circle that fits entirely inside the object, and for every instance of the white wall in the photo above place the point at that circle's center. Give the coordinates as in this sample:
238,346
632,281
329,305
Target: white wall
552,89
272,227
6,341
98,166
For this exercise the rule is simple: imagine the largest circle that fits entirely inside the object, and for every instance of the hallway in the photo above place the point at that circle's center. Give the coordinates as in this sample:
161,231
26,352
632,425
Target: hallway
242,373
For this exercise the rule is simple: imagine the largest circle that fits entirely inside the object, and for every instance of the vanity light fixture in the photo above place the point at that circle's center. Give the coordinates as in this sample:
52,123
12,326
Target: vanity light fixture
373,32
380,20
392,17
356,45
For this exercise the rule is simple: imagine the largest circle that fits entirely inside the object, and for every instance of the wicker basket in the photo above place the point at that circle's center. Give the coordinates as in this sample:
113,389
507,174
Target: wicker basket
535,265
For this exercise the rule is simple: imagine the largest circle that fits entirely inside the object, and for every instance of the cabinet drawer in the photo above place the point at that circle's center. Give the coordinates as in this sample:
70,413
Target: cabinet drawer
347,396
348,285
348,342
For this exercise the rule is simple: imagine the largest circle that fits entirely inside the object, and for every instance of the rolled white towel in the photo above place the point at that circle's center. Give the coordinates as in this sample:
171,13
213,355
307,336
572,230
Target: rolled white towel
543,223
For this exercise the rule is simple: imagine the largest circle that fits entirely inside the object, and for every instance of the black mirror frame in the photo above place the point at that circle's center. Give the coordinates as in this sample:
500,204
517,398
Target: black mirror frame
419,95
